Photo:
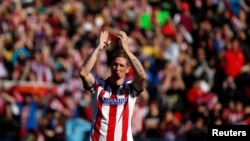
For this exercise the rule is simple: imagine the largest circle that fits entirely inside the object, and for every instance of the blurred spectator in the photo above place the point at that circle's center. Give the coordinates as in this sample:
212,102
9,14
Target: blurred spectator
139,114
172,89
28,117
86,105
9,127
198,132
234,58
234,113
77,128
169,126
152,121
198,95
229,91
172,50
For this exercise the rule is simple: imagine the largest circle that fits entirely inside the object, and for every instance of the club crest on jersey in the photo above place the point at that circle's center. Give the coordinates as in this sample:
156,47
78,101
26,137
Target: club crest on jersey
114,101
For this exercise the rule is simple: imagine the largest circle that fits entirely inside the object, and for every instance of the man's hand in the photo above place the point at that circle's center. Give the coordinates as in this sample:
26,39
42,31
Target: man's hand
124,40
104,39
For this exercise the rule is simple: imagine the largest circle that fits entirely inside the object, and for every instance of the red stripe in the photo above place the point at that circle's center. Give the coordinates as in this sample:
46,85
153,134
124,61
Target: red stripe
112,118
125,119
97,125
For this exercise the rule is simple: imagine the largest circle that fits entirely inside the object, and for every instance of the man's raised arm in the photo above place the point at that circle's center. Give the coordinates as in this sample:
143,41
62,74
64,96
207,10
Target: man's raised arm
139,81
85,71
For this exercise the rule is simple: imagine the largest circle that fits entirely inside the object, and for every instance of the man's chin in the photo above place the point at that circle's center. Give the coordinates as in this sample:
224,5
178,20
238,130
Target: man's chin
116,76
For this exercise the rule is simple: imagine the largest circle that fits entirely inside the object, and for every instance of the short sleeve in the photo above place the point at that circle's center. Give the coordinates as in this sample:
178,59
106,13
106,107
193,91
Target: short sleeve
133,91
98,82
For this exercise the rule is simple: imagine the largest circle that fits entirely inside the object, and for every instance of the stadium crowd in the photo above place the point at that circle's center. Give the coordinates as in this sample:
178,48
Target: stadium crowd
196,54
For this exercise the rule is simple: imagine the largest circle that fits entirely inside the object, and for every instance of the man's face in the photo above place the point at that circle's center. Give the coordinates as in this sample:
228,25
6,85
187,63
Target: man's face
119,67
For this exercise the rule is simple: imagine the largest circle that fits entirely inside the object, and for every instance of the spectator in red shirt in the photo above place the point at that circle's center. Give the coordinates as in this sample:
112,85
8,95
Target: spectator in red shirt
234,58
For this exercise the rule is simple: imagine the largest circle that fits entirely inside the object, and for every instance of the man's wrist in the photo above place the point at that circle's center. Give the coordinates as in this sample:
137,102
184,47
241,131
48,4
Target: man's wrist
100,46
103,45
126,50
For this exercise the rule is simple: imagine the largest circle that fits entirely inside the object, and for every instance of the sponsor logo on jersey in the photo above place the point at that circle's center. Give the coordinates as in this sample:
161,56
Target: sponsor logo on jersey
114,101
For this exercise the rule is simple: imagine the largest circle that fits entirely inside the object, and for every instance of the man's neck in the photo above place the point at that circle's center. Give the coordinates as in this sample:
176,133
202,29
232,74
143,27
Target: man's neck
115,82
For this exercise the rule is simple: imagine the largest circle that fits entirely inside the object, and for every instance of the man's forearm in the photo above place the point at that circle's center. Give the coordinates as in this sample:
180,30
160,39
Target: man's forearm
89,63
136,64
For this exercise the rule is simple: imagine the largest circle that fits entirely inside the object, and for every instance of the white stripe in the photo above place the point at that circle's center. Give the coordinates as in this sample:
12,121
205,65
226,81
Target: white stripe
131,106
105,120
118,128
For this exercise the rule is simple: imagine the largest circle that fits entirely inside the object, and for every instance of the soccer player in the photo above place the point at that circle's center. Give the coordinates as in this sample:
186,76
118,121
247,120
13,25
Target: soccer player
114,97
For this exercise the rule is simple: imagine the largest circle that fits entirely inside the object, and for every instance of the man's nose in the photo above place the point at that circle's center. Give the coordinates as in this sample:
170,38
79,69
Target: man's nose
117,67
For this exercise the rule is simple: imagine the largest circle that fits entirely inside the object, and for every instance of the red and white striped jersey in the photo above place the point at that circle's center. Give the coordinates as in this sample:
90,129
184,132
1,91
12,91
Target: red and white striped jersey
112,111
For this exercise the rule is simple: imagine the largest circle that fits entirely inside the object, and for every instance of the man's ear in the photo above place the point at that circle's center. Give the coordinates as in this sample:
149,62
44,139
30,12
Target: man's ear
128,69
